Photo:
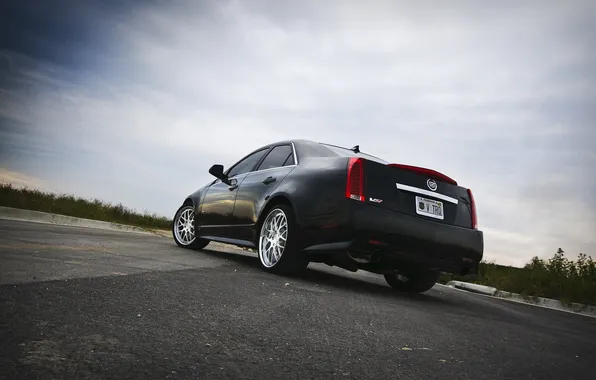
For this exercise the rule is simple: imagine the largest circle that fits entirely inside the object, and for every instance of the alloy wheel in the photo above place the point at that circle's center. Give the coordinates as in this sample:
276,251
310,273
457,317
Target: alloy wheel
184,226
273,238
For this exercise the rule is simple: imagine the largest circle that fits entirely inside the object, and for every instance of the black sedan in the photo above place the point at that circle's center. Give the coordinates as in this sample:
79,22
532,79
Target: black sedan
300,201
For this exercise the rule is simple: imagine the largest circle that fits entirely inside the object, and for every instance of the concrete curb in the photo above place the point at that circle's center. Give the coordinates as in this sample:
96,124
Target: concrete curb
576,308
549,303
9,213
475,288
65,220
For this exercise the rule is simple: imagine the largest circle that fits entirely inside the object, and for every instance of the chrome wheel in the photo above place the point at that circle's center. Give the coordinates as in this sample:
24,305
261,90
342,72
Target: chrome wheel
273,238
184,226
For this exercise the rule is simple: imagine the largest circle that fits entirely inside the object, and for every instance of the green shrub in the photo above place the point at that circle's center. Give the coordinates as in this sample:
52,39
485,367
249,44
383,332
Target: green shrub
66,204
557,278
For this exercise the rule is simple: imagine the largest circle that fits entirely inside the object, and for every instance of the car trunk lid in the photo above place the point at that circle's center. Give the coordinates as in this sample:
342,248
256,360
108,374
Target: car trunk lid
412,190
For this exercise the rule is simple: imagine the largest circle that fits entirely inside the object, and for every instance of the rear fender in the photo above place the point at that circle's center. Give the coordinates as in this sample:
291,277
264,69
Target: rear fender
315,188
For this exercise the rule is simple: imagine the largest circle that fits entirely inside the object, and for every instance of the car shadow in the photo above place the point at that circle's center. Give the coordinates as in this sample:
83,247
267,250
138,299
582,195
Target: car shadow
317,276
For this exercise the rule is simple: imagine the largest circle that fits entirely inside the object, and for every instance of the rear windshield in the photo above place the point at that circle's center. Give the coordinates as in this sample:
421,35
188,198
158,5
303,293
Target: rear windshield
345,152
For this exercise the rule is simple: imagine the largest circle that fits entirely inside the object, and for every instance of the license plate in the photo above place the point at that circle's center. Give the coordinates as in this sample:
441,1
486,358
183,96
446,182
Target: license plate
430,208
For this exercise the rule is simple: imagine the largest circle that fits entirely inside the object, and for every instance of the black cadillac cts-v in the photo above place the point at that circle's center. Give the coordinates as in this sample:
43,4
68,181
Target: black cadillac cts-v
300,201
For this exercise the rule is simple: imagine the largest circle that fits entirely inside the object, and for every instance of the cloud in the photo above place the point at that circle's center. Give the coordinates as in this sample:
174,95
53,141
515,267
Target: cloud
496,95
22,180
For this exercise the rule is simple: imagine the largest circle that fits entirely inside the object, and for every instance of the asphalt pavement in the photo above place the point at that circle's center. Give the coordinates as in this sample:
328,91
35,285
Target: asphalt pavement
90,304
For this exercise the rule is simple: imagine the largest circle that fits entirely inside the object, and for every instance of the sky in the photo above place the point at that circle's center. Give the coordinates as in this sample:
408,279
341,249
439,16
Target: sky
132,101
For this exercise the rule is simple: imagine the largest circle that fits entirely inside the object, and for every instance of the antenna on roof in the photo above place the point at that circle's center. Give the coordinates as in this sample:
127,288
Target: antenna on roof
355,149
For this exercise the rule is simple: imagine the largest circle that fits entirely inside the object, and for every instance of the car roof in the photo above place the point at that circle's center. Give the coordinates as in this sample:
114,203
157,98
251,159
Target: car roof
295,141
303,142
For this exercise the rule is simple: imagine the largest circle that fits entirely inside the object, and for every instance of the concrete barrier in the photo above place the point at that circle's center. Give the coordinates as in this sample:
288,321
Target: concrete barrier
487,290
548,303
65,220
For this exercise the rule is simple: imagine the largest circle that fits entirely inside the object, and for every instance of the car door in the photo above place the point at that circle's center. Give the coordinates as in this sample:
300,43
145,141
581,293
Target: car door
216,211
258,184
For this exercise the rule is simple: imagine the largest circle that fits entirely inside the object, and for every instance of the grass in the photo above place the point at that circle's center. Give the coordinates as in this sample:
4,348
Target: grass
70,205
557,278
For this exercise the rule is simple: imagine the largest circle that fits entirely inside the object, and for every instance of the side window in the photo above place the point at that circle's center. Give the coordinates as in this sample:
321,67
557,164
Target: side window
247,164
279,156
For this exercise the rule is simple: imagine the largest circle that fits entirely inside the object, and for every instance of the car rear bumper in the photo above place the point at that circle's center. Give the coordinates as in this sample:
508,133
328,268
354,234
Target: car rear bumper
401,240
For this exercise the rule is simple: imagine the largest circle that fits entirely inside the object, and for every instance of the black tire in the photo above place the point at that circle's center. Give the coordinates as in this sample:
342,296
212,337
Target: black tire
293,260
417,281
196,243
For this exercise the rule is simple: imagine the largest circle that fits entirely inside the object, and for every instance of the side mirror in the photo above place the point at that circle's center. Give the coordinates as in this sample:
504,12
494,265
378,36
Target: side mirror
217,171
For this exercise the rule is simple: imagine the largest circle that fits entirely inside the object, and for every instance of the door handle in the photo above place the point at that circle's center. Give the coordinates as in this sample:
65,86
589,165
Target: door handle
269,180
232,184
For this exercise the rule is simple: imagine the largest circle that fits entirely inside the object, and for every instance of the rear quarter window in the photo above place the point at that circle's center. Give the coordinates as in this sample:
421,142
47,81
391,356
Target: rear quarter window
344,152
315,150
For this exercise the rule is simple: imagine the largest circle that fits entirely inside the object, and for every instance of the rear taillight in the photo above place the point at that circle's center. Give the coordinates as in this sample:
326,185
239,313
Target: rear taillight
473,210
355,183
427,172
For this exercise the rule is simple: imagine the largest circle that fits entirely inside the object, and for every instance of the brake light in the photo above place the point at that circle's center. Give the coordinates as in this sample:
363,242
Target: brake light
355,183
427,172
473,210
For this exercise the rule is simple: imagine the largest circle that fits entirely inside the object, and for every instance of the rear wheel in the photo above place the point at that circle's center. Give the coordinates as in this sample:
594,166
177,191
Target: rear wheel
418,281
278,242
183,229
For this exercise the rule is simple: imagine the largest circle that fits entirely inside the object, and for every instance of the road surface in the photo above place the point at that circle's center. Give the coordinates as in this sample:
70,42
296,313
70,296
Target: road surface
85,303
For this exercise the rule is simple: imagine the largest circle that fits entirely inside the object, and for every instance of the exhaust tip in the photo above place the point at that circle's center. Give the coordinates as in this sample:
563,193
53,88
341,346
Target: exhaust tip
366,257
376,255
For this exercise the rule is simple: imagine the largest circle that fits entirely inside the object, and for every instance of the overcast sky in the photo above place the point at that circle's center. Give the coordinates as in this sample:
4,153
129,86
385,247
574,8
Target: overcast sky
132,101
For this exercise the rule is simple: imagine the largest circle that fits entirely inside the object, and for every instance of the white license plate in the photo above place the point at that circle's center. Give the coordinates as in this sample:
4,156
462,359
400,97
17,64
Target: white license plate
429,207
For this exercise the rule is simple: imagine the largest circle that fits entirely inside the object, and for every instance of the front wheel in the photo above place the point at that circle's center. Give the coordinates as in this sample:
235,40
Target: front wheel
278,242
183,229
414,282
